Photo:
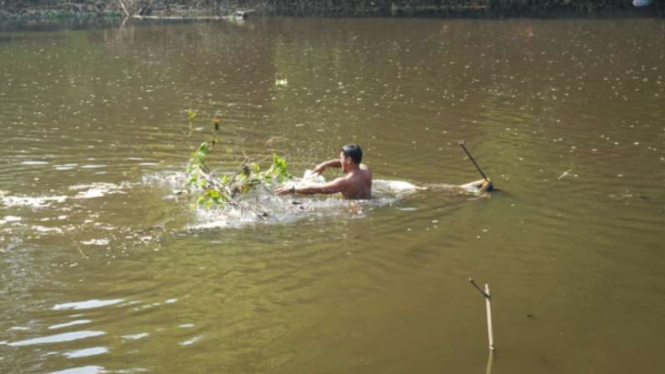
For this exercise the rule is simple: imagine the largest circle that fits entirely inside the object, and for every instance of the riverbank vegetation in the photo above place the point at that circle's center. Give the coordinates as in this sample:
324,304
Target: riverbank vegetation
50,9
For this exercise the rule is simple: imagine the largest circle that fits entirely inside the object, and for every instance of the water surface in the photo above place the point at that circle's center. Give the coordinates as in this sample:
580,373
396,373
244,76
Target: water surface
105,267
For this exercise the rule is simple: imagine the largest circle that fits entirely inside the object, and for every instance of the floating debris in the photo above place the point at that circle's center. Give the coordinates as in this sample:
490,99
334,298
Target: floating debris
564,174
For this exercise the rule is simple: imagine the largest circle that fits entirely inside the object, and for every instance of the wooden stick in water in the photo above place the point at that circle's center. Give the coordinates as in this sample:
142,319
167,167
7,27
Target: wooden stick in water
463,145
488,307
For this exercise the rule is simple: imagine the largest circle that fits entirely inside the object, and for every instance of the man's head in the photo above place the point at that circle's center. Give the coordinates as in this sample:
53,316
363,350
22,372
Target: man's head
351,153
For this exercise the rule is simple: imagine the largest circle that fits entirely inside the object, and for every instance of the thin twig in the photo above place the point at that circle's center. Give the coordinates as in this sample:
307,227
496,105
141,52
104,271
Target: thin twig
564,174
122,5
479,289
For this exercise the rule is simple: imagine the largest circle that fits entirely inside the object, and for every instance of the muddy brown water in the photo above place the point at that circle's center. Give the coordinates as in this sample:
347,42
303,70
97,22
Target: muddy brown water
105,268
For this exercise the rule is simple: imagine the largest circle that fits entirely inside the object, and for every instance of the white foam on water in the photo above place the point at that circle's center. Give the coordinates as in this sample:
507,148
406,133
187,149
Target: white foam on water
289,209
392,187
34,163
95,242
94,190
170,180
90,194
32,202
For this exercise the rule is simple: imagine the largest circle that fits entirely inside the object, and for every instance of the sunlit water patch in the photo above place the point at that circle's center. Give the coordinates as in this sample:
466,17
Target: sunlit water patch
69,324
88,304
60,338
94,190
87,352
137,336
91,369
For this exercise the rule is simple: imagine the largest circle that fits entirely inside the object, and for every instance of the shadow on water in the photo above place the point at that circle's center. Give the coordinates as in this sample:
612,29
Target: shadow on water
44,25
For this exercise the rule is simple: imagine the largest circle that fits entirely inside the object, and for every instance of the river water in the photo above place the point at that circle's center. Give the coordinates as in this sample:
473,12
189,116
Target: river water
106,268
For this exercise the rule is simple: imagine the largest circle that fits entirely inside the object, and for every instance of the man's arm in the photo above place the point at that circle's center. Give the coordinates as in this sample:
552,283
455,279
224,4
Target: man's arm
338,185
320,168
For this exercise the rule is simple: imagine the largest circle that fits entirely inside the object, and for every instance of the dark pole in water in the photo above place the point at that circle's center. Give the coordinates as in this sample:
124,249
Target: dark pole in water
461,143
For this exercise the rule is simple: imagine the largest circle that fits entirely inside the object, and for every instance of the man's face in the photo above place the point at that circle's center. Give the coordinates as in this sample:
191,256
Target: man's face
345,161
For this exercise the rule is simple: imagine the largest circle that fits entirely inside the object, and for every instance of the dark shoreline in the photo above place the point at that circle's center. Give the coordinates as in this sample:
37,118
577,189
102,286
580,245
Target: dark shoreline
109,13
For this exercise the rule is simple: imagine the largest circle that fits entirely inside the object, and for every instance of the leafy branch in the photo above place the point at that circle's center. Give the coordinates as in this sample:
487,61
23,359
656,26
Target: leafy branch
226,191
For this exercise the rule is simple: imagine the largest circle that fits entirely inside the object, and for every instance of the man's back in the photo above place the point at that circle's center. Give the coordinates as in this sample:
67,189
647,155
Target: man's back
358,184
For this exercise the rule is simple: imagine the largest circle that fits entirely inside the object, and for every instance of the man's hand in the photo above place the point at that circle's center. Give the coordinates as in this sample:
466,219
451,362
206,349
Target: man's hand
319,169
285,190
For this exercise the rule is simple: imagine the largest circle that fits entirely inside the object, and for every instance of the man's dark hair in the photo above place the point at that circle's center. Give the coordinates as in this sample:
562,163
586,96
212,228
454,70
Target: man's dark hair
354,151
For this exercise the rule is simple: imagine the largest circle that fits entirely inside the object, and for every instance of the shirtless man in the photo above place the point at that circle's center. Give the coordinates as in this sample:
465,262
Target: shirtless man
355,185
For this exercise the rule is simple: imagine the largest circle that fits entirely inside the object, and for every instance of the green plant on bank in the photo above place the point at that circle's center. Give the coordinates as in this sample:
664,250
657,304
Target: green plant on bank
220,192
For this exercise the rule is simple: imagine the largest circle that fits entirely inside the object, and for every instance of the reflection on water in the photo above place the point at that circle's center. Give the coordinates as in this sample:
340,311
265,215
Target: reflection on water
565,116
66,337
86,352
88,304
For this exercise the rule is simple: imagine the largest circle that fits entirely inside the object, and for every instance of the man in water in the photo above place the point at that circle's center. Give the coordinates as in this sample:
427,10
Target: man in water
355,185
